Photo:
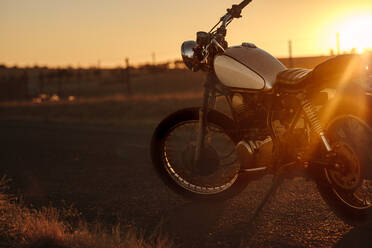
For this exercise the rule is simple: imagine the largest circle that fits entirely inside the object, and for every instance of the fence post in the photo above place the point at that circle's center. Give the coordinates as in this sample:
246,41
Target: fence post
127,77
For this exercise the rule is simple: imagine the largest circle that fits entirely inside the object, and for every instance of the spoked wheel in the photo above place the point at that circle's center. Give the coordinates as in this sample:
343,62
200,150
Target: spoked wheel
215,173
348,186
216,169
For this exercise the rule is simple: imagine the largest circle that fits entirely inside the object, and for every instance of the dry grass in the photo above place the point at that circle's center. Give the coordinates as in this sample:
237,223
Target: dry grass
28,227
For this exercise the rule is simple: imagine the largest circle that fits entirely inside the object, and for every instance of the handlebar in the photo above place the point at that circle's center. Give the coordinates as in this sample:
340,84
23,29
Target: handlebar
244,3
236,9
232,13
216,36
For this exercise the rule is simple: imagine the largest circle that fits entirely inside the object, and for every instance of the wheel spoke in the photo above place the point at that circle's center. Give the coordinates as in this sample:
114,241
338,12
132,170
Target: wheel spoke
218,167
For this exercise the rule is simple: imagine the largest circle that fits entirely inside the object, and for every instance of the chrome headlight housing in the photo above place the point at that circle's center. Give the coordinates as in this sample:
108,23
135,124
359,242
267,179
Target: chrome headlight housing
187,51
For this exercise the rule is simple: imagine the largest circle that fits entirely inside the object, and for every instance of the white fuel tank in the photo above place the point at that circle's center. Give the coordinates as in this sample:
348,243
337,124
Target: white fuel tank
247,67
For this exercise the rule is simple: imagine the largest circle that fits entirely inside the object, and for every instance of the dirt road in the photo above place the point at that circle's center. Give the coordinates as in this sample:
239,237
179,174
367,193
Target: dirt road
106,173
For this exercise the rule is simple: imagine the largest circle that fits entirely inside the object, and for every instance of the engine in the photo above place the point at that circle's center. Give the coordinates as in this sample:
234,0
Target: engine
249,110
257,145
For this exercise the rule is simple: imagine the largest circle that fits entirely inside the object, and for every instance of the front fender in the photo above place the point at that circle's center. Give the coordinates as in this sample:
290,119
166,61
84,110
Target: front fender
213,116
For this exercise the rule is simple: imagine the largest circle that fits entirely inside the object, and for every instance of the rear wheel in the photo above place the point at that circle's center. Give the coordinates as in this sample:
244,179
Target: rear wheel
347,188
216,174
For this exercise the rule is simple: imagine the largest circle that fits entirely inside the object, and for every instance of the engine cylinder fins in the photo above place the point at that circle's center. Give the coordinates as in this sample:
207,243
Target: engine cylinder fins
237,100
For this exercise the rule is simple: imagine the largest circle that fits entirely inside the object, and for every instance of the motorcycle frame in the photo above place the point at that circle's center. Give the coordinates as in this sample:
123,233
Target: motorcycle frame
212,86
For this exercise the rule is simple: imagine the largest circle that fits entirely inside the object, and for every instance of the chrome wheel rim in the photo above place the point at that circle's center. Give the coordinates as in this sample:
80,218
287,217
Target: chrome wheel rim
223,169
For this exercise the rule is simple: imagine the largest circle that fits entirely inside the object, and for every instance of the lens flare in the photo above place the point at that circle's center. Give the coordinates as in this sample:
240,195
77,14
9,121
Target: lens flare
356,34
349,97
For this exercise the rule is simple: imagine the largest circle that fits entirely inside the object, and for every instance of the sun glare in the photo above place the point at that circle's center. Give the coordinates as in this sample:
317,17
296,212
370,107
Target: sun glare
356,33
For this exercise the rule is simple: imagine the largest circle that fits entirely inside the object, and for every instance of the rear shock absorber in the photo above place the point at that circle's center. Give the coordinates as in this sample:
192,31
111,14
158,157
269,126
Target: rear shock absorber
314,121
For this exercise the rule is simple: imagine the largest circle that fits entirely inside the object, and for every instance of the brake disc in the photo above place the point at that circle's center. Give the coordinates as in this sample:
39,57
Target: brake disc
346,174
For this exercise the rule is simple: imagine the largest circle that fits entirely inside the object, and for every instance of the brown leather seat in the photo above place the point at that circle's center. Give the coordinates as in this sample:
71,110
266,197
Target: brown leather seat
292,77
342,68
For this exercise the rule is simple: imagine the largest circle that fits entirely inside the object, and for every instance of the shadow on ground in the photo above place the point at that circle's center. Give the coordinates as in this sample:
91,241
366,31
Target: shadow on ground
358,237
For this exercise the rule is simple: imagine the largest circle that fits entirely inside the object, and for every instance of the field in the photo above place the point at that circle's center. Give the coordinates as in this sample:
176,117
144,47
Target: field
92,152
108,103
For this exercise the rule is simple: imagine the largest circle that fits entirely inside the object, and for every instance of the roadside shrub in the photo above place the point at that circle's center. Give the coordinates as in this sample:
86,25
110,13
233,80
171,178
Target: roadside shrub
22,226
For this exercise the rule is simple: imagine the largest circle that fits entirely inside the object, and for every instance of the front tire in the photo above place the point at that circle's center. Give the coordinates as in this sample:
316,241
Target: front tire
216,175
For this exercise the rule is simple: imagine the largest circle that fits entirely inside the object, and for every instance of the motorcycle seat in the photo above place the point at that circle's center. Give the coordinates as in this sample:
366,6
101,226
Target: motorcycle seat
332,72
292,78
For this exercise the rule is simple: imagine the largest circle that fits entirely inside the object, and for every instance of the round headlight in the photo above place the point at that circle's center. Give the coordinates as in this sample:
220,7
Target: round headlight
187,52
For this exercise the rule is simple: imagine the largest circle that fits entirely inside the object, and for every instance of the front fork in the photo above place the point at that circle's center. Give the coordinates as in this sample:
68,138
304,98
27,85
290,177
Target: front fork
209,99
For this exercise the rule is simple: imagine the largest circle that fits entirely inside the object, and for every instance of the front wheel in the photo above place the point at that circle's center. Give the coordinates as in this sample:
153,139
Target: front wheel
216,173
347,188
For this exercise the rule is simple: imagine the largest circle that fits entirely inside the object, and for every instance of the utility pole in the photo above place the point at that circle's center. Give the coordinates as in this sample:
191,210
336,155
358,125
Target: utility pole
290,53
338,43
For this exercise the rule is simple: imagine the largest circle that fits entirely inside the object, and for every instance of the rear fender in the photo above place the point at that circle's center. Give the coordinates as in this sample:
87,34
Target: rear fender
339,71
352,100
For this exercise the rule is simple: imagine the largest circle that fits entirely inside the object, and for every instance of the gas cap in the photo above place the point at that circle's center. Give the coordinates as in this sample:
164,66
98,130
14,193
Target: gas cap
249,45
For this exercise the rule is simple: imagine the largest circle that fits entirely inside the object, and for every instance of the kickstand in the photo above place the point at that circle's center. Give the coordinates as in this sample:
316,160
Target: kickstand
277,180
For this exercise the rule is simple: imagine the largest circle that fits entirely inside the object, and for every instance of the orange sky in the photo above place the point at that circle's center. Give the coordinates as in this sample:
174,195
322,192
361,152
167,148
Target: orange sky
83,32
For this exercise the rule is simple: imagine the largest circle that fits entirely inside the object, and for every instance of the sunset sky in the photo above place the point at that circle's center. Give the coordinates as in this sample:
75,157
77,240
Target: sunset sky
83,32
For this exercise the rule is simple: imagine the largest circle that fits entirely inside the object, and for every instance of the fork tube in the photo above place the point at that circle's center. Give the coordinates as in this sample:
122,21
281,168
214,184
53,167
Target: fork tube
203,113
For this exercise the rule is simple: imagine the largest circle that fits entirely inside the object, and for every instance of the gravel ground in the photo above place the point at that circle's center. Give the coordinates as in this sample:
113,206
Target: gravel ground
106,173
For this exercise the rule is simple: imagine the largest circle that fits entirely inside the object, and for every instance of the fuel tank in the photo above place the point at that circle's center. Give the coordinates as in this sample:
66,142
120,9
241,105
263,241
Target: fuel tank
247,67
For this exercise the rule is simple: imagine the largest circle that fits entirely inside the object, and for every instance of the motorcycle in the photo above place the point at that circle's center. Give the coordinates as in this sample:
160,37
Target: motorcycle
283,121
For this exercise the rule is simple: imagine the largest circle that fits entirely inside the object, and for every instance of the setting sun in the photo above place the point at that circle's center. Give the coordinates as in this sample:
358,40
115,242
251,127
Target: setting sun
355,33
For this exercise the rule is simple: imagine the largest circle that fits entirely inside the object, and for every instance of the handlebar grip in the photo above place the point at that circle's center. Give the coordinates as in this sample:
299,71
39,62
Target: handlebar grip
244,3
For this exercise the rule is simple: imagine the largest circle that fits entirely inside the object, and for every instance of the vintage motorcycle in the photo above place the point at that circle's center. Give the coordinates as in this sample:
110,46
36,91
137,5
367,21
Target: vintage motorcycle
282,121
